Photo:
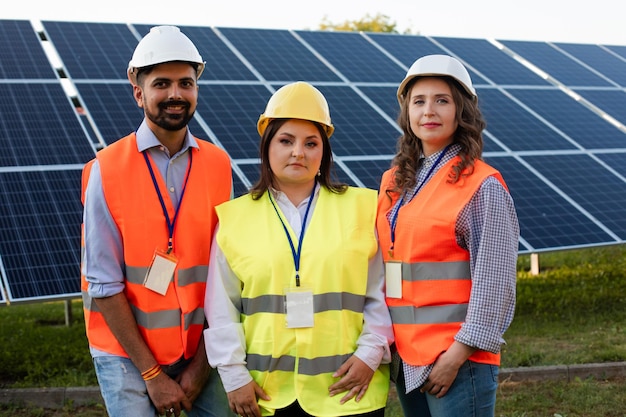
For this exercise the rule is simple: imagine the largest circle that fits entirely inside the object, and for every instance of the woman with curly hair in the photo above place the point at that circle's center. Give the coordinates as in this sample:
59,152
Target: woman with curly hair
449,234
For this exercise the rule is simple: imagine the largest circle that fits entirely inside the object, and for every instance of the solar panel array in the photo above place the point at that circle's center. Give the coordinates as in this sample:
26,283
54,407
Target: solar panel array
555,125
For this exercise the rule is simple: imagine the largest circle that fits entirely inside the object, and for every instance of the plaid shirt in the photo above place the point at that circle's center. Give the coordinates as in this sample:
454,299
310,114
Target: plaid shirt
487,227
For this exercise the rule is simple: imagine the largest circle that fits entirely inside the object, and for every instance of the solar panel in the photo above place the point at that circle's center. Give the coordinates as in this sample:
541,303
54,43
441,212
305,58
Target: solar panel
587,129
612,102
559,141
357,59
600,59
618,50
42,126
40,216
556,63
516,125
546,214
404,48
21,53
490,62
265,50
94,51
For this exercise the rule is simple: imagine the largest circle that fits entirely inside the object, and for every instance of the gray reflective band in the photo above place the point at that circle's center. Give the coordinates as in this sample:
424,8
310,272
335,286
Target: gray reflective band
137,275
321,302
321,365
450,313
264,304
316,366
266,363
157,319
193,275
194,317
339,301
421,271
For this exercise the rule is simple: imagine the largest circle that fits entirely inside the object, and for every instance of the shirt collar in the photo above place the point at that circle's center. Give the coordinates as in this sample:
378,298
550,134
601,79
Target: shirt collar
146,139
282,198
452,150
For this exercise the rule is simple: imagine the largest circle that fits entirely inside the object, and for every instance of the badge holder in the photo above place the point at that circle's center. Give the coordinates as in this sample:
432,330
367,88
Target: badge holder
299,307
393,279
161,271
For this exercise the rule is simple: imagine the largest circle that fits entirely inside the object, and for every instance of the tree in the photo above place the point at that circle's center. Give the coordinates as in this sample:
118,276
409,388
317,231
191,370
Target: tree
378,23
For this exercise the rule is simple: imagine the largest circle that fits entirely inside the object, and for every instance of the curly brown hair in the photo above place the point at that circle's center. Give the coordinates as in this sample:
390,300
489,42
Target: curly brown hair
266,177
468,135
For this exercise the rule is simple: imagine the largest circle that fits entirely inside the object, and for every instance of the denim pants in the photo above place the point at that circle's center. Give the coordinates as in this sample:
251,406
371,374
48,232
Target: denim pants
125,393
472,394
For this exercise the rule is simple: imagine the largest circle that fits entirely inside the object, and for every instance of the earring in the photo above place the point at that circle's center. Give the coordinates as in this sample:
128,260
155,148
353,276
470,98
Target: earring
319,173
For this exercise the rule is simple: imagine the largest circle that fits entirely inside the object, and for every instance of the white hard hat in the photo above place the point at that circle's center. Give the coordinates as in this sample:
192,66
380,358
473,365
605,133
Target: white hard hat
163,44
438,65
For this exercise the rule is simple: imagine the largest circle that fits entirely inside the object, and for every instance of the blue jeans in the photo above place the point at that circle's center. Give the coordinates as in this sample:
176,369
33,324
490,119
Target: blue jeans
472,394
125,394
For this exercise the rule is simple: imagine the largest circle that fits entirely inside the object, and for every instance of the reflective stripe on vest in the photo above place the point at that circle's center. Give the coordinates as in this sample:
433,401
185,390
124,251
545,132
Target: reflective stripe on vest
435,270
451,313
436,275
178,316
321,302
298,363
287,363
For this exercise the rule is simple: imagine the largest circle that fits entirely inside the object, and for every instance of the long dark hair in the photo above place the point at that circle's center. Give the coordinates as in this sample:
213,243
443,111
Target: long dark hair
266,177
468,135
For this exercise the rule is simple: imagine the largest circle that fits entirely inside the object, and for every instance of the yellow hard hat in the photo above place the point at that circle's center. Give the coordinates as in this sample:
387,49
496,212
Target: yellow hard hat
438,65
298,100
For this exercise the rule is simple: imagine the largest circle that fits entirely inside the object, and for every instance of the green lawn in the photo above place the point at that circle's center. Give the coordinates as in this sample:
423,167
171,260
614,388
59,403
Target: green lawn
571,313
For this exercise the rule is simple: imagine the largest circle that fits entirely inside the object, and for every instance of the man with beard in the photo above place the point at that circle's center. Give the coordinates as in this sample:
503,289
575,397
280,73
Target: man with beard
148,219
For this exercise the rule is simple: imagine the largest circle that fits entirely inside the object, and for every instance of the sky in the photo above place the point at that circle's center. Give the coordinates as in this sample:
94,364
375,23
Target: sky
589,22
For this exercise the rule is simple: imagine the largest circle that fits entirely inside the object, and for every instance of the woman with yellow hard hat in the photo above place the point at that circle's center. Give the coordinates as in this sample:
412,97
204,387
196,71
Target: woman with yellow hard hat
298,324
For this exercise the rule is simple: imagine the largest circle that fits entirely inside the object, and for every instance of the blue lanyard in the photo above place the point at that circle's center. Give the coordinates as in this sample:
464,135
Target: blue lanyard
394,219
294,253
170,224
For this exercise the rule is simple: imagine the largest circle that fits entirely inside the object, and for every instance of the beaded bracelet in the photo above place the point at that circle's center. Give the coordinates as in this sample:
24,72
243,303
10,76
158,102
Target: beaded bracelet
151,373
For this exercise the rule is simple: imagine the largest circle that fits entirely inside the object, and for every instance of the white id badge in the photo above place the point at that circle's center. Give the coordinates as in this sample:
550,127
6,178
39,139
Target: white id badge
393,279
299,308
161,272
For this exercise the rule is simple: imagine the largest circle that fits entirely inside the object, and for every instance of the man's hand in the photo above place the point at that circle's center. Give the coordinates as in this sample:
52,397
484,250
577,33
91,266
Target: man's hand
167,394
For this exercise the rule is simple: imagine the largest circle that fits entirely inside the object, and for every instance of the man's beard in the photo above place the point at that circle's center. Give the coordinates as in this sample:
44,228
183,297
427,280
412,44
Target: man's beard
171,122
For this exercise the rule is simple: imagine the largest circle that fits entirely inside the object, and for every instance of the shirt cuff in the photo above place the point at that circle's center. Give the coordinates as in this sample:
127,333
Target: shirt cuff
109,289
234,376
480,337
371,355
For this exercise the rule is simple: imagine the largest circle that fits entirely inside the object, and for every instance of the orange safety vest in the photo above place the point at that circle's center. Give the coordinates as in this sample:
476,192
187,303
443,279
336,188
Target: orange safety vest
436,277
170,324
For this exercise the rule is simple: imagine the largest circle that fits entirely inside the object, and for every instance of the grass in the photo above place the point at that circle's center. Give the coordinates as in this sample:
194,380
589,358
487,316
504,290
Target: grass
571,313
